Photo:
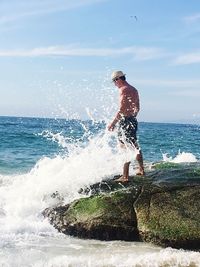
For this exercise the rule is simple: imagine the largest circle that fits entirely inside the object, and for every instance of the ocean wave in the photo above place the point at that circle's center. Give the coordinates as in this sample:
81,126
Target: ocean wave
180,158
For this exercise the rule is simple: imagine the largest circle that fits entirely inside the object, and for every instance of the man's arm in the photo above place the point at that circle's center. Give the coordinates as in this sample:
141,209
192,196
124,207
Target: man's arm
119,114
114,122
137,104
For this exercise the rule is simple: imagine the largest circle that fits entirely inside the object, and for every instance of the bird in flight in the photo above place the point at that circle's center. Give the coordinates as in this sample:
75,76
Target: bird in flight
135,17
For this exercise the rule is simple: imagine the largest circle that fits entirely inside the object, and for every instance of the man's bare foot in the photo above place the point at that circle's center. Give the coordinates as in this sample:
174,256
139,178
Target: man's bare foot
121,179
140,172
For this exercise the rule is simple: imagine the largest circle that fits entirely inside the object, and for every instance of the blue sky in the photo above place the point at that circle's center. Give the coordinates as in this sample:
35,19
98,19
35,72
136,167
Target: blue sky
56,57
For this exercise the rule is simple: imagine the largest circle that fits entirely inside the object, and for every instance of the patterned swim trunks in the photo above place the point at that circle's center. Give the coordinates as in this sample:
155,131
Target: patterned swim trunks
127,130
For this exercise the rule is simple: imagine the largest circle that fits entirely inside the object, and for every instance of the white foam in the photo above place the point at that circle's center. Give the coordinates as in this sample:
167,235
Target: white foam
181,157
25,196
124,256
58,138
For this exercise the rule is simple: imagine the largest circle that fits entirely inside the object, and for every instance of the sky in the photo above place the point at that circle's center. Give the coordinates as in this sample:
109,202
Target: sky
56,58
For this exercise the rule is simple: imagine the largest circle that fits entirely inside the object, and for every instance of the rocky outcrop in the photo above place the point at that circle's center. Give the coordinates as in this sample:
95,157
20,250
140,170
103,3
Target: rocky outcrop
170,216
104,217
163,208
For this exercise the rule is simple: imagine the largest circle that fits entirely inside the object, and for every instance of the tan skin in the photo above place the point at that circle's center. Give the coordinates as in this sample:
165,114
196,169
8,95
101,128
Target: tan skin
129,106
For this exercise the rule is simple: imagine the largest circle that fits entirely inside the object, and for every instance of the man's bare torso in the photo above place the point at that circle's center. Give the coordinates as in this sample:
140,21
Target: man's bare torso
129,101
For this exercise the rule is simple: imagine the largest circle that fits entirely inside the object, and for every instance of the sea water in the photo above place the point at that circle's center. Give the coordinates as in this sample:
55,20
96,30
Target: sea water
41,156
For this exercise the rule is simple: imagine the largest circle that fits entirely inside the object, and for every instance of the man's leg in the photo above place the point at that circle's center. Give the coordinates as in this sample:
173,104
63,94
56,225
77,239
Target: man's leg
126,171
139,158
125,176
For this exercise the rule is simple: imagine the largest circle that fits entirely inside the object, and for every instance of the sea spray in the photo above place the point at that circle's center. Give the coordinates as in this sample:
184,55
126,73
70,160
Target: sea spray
30,193
180,158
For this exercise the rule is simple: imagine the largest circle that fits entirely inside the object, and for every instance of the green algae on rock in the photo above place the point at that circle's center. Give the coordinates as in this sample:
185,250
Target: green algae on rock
163,208
170,217
104,217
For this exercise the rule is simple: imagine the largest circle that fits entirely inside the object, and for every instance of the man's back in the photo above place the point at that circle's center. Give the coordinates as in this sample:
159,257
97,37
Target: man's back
129,100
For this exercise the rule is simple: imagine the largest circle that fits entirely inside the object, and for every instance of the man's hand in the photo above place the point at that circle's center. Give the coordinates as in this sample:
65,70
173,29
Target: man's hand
111,127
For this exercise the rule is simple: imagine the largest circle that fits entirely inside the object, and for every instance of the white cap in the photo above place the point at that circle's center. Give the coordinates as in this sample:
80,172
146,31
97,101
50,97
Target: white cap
117,74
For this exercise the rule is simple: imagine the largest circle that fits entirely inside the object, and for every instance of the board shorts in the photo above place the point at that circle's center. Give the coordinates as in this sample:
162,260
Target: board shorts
127,130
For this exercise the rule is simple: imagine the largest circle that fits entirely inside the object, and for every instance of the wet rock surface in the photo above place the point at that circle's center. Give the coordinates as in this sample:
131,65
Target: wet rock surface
162,207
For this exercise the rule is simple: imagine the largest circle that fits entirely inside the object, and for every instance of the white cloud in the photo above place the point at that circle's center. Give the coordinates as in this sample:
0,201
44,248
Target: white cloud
193,18
189,58
138,53
13,10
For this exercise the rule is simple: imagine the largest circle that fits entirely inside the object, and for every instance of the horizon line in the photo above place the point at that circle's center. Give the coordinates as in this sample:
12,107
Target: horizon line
180,121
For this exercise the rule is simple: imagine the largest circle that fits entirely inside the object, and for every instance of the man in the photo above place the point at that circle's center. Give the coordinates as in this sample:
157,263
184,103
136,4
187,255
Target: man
126,120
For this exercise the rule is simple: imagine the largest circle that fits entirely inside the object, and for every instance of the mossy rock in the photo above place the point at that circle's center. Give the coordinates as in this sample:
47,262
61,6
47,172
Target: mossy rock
194,173
104,217
170,217
163,208
166,165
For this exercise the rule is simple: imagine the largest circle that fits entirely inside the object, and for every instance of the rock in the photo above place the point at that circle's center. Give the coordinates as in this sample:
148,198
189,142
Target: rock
104,217
170,216
162,208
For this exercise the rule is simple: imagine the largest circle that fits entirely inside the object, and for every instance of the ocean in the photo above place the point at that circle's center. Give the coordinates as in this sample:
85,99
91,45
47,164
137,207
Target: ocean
41,156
